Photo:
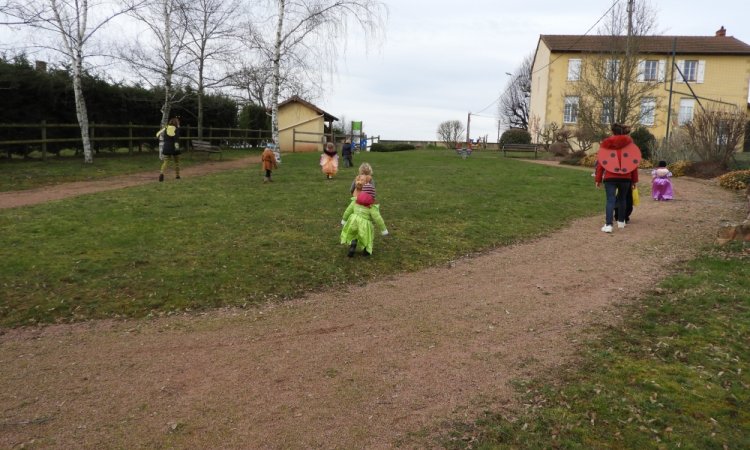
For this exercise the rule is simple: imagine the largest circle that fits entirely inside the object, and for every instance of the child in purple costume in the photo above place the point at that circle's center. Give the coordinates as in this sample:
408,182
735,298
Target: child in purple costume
661,187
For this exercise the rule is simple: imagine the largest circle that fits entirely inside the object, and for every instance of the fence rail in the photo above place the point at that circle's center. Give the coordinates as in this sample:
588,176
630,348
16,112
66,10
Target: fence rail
136,135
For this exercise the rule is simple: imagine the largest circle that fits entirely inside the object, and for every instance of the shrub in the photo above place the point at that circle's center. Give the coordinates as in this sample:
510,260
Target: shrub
574,158
559,148
379,147
515,136
644,140
736,180
588,160
680,168
706,169
646,164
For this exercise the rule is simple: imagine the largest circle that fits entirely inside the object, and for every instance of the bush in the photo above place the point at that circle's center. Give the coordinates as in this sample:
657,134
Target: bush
574,158
680,168
706,169
736,180
646,164
559,148
644,140
588,160
379,147
515,136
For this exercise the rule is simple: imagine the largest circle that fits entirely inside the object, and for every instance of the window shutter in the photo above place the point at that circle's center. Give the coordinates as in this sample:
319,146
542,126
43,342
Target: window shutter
641,71
681,65
662,65
701,71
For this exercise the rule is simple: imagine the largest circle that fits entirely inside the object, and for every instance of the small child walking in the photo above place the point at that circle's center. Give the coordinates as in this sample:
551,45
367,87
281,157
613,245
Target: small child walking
329,161
364,176
661,186
359,219
268,158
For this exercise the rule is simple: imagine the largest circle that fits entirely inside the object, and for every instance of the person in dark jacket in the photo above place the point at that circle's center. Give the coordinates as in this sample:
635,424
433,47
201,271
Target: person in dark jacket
346,152
170,148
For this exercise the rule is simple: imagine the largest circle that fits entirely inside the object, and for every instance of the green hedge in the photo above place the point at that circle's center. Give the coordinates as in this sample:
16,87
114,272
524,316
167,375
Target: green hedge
379,147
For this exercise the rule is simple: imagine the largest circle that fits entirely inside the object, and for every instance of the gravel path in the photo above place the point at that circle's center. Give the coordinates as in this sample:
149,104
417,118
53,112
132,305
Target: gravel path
377,366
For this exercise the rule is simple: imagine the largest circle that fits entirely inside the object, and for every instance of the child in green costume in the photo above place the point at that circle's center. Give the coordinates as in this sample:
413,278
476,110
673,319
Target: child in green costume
359,230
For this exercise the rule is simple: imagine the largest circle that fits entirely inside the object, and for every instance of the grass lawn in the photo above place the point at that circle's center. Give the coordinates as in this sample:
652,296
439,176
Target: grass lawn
228,239
17,174
675,375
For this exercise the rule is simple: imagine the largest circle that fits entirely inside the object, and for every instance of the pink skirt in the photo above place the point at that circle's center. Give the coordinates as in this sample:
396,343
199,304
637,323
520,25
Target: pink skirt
661,189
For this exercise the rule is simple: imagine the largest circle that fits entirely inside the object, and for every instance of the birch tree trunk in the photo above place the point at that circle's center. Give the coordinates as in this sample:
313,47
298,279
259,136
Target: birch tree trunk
276,79
166,108
73,35
81,111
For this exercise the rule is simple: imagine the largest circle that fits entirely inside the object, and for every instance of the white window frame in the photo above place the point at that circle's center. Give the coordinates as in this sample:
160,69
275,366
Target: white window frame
697,72
648,111
570,109
651,67
574,69
687,109
608,108
612,69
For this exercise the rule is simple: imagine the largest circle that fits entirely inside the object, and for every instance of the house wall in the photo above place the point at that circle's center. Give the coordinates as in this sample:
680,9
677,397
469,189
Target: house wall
726,78
297,116
540,86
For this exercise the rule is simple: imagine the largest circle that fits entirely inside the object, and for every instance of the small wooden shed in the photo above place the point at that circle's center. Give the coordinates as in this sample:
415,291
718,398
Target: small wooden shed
302,126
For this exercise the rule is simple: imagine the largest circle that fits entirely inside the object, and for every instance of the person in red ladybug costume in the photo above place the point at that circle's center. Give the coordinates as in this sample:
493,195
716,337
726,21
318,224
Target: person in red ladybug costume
617,169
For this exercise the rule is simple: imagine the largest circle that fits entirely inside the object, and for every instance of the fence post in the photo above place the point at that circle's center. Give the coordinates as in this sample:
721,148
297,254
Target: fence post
44,140
210,134
130,138
92,138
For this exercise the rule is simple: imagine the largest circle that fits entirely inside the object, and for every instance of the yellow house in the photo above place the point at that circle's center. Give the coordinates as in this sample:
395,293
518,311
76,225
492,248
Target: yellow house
685,72
302,126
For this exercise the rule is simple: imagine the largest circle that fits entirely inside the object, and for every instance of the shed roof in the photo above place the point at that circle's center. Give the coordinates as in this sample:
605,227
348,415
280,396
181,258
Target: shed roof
702,45
296,99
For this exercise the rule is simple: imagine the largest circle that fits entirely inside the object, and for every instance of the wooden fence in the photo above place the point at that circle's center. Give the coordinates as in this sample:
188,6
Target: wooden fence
109,133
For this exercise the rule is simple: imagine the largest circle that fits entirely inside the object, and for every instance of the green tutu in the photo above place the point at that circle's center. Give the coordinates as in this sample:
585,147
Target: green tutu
359,225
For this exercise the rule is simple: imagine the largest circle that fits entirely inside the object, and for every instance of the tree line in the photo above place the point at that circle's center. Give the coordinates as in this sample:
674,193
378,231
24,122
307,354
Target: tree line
32,93
259,52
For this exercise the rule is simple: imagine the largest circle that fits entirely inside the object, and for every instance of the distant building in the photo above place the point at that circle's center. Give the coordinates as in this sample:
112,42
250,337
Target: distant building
716,68
302,126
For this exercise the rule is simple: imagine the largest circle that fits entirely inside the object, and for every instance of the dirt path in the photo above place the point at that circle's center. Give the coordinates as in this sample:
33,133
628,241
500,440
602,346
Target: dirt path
377,366
14,199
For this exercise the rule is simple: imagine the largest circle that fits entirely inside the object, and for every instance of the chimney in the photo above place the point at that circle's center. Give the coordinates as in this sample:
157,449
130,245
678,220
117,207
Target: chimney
41,66
721,31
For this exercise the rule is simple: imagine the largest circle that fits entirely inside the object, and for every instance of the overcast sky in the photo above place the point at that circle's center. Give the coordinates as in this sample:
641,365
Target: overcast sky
442,59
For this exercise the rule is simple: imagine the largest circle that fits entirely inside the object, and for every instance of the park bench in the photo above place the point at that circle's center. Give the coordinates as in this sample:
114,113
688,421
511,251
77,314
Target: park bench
527,148
197,145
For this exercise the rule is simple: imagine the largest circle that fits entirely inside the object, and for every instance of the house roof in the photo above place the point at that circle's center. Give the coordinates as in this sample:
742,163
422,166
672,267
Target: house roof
702,45
296,99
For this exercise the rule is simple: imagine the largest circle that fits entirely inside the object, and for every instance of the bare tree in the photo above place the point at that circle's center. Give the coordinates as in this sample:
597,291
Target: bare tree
612,85
255,82
304,33
716,133
74,23
160,61
451,132
514,106
210,27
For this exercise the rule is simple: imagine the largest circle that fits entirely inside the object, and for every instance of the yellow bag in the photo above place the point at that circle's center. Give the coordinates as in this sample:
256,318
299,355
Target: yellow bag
636,197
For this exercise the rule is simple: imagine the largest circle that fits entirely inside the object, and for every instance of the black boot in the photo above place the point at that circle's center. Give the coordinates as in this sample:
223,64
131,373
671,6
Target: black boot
161,177
352,248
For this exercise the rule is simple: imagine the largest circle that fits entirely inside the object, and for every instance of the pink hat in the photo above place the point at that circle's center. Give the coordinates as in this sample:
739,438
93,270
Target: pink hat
365,199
